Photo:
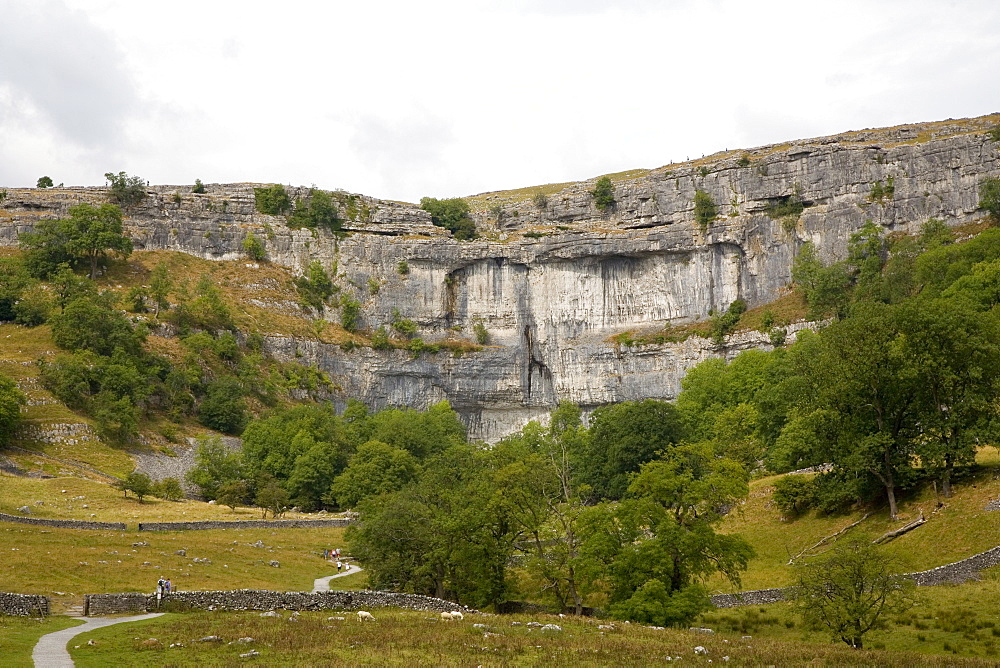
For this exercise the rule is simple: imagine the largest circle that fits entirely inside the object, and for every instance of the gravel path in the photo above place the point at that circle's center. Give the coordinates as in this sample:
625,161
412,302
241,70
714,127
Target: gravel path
323,584
50,651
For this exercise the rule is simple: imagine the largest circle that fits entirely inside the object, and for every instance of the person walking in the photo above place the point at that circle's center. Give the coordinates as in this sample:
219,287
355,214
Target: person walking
339,565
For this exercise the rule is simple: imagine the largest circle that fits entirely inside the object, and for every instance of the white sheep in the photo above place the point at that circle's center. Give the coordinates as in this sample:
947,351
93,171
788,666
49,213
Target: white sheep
364,615
457,614
447,617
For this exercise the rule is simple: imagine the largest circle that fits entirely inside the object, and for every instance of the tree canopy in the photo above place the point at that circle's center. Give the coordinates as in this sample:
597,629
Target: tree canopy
451,214
87,238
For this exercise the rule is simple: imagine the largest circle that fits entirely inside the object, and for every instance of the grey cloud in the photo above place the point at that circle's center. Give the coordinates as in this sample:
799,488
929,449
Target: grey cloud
67,68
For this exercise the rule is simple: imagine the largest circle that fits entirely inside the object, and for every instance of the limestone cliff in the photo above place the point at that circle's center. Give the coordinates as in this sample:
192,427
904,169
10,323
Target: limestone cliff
552,277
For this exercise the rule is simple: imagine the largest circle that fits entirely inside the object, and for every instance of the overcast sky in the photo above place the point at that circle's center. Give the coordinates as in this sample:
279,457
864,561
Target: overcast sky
404,98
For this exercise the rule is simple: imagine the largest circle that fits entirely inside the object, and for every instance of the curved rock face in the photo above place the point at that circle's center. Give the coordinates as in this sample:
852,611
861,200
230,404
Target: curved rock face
552,278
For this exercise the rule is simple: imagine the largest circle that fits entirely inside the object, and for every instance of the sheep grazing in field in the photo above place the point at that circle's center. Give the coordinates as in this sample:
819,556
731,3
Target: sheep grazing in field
364,615
457,614
447,617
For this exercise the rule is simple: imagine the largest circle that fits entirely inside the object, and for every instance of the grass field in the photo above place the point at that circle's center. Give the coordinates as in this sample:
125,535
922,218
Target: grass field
958,528
18,636
949,619
404,638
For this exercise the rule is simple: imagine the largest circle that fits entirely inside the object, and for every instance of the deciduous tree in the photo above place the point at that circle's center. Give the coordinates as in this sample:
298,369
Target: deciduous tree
852,591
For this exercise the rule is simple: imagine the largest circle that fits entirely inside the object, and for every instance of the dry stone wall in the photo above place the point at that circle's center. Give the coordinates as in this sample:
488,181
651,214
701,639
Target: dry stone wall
244,524
23,605
64,524
248,599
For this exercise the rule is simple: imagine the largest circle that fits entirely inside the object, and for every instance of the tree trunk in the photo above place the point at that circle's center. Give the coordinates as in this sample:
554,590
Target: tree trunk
577,601
890,486
949,466
890,492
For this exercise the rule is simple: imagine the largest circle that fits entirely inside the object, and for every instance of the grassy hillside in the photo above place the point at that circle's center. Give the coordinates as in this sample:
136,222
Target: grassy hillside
956,528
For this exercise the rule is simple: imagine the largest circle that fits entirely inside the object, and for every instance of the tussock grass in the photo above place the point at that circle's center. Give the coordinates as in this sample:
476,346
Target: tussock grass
405,638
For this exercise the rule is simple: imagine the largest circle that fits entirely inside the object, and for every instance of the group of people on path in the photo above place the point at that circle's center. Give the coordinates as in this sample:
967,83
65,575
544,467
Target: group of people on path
162,587
334,555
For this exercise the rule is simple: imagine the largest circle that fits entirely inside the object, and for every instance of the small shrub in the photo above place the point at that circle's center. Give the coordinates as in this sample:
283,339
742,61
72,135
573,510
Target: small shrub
540,200
403,268
534,235
744,161
317,211
374,286
380,339
177,199
169,489
989,197
3,196
794,494
498,213
272,200
418,346
253,247
482,336
451,214
603,193
406,327
790,206
350,313
703,170
994,133
881,192
724,323
126,190
198,187
705,210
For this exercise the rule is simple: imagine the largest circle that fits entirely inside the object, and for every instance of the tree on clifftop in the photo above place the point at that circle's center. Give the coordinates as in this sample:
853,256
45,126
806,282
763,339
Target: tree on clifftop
451,214
87,238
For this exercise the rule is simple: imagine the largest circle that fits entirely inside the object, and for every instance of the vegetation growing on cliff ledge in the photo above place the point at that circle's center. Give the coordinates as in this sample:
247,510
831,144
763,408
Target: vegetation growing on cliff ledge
705,210
451,214
603,193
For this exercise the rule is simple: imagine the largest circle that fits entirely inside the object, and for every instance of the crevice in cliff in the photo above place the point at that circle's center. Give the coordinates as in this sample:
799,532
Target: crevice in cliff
542,389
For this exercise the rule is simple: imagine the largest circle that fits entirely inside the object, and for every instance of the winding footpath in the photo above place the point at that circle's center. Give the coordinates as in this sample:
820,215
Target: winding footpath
51,652
323,584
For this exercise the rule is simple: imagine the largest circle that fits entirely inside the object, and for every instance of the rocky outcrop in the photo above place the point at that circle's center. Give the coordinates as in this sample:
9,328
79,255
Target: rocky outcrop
553,277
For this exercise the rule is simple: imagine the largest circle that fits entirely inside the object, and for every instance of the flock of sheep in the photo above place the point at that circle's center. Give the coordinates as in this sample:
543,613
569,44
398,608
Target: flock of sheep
365,616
